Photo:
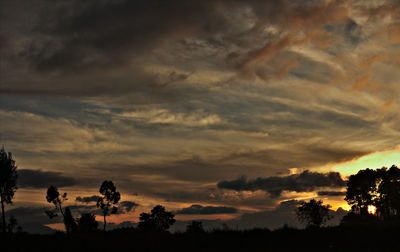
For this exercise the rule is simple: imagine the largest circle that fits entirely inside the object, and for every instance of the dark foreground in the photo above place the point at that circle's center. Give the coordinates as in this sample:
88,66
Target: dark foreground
363,238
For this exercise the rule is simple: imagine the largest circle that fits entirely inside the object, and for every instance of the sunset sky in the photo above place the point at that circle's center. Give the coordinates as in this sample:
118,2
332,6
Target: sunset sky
239,108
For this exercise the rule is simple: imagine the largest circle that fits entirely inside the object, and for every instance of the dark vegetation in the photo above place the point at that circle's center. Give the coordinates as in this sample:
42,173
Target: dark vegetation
359,230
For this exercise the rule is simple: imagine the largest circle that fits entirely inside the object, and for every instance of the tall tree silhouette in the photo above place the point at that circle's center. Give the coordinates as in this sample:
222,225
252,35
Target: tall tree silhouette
313,213
158,220
8,182
109,201
362,190
54,197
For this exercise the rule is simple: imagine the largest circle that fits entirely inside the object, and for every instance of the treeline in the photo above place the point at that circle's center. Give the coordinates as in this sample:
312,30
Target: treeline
158,220
374,196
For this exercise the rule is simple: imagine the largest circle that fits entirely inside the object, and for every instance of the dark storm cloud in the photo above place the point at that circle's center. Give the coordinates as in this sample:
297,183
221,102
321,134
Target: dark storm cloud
304,182
89,199
199,209
78,37
75,36
44,179
108,33
331,193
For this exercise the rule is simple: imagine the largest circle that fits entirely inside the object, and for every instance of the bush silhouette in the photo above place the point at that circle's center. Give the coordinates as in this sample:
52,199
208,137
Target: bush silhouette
195,227
87,223
158,220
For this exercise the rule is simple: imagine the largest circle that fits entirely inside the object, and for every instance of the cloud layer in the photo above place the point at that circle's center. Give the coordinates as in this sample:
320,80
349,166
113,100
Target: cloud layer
304,182
43,179
169,99
199,209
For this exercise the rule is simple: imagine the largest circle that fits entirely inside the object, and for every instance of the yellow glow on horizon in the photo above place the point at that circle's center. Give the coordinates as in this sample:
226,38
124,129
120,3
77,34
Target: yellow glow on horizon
373,161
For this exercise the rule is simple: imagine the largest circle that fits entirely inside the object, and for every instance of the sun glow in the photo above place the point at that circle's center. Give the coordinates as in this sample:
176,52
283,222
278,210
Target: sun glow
371,209
373,161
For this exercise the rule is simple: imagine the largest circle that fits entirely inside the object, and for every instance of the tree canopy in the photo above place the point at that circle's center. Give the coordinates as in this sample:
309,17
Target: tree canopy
8,181
314,213
158,220
54,197
379,188
87,223
109,201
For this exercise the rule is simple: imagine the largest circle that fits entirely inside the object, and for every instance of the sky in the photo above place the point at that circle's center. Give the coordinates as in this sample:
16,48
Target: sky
225,110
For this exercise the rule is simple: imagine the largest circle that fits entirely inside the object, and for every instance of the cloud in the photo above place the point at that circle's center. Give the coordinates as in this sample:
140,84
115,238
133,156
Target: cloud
127,206
75,37
89,199
44,179
199,209
163,116
77,210
129,85
283,214
32,219
124,206
298,155
331,193
82,37
304,182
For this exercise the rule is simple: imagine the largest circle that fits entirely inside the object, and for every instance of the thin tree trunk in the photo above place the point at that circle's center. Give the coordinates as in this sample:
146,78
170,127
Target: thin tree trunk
105,222
3,216
65,224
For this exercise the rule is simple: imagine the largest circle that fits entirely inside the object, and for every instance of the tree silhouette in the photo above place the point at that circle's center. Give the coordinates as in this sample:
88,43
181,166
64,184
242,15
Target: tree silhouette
53,196
109,202
69,221
12,224
388,200
87,223
313,213
8,182
195,227
158,220
362,190
379,188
